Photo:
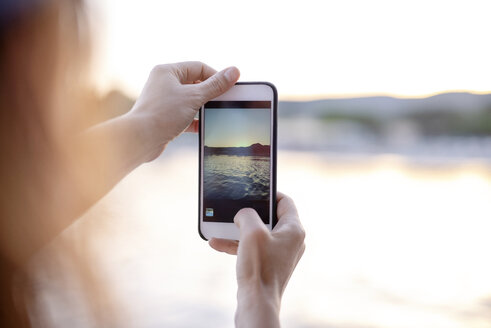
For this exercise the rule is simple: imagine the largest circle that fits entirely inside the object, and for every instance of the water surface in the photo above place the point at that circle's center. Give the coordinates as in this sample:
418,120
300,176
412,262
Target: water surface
236,177
389,243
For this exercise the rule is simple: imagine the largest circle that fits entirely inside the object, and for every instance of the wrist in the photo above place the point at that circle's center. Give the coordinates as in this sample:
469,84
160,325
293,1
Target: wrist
258,305
146,134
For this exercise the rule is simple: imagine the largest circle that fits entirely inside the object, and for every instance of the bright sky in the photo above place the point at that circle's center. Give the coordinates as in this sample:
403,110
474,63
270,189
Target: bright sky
236,127
308,49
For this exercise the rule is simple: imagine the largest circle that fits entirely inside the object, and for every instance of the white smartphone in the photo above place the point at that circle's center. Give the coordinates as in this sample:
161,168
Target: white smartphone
237,159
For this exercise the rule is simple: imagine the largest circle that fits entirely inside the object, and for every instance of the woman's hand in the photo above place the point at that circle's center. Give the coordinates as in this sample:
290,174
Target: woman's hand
171,98
265,262
101,156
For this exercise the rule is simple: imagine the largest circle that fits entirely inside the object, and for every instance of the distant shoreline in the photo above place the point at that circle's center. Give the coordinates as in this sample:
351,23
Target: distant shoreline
253,150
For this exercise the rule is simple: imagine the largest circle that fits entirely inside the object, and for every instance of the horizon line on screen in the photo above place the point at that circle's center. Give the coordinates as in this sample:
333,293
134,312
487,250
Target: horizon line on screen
264,104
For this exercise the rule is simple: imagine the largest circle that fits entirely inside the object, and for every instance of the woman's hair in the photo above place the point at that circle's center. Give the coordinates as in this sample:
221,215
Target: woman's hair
43,50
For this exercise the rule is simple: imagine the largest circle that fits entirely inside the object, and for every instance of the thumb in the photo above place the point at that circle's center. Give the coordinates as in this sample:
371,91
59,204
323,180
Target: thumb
218,83
249,222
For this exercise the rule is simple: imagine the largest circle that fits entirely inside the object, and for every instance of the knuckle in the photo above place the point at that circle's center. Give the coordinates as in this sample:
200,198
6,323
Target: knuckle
302,251
194,63
301,235
159,69
298,233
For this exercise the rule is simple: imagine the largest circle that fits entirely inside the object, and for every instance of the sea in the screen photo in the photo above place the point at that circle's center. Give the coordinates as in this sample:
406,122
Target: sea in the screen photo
236,165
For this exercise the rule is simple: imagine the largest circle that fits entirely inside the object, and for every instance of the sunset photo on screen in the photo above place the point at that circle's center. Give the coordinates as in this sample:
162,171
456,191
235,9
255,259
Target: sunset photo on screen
237,161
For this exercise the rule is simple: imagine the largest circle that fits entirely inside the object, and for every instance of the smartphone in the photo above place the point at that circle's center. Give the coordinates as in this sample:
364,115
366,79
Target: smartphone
237,158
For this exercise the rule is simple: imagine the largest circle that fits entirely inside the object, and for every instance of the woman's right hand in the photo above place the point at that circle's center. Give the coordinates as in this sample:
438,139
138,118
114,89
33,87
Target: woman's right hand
265,262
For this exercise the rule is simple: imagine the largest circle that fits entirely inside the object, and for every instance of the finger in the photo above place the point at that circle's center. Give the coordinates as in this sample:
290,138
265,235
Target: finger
288,221
218,83
193,71
286,209
250,223
193,127
224,245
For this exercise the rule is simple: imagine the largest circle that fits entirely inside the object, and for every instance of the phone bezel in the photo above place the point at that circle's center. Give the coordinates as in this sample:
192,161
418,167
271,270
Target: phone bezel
253,91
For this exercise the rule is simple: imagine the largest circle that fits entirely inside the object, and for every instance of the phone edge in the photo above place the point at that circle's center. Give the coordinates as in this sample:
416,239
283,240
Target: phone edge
275,134
199,174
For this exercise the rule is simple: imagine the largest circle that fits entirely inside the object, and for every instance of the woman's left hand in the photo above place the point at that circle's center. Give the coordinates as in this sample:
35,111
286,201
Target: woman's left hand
171,98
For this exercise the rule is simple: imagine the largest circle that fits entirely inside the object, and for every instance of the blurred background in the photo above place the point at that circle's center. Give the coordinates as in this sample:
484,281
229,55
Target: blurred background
384,144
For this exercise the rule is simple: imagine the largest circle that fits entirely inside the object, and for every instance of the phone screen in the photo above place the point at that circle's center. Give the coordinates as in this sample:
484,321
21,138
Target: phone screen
236,159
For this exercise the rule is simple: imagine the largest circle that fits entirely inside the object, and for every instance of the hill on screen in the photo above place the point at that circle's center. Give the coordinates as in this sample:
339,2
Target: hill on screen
253,150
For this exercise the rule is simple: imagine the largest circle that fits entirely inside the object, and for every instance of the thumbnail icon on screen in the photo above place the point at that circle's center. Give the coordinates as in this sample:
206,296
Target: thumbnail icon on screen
209,212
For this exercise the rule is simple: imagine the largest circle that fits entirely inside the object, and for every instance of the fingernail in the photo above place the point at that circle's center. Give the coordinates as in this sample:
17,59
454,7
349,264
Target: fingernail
232,74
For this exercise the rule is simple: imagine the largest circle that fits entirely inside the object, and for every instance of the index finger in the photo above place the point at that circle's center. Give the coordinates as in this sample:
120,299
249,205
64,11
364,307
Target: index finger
193,127
192,71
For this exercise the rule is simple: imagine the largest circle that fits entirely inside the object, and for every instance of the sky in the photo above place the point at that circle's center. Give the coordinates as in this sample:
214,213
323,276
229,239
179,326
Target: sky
236,127
308,49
